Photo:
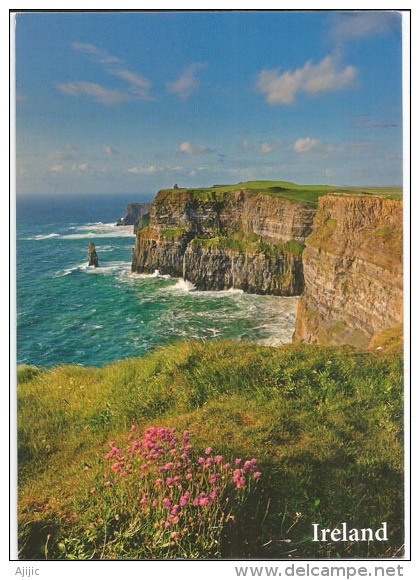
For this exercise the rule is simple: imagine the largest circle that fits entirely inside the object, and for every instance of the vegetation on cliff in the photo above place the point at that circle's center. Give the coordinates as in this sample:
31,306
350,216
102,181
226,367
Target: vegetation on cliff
241,242
324,422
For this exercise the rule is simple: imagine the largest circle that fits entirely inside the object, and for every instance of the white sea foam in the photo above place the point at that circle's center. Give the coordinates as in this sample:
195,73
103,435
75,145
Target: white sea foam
104,269
109,267
156,274
68,271
183,286
44,236
90,230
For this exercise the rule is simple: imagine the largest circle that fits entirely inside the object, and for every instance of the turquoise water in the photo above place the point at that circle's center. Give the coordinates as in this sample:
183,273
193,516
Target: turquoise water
68,312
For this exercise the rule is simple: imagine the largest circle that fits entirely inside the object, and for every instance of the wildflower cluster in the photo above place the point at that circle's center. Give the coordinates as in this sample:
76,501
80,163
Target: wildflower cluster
185,496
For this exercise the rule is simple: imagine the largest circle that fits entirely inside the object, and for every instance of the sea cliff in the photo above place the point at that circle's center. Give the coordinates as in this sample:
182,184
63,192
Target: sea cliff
219,240
353,271
344,257
137,215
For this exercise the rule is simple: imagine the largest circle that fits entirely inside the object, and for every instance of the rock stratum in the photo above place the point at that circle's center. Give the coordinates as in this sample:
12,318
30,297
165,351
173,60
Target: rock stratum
221,240
353,270
345,258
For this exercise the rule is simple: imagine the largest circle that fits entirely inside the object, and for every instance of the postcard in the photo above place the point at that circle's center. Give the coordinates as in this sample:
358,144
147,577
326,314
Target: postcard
210,289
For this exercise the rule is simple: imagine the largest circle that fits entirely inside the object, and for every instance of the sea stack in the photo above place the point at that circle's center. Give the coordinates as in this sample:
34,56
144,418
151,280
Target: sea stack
93,256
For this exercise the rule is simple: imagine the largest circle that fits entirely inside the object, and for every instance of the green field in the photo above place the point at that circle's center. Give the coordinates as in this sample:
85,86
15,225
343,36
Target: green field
306,194
324,423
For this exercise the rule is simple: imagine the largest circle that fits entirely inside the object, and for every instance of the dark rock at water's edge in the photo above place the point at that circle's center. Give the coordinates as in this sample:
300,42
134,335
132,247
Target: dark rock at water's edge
93,256
138,215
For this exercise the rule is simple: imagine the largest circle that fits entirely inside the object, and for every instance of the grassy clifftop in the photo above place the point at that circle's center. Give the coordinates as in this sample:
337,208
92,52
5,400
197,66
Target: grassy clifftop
325,424
304,194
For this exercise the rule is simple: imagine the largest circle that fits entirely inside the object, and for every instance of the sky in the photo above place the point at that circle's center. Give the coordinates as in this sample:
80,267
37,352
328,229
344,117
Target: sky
136,102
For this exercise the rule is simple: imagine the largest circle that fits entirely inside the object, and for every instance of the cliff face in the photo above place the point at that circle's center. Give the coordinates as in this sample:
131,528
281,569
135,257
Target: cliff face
251,270
135,215
353,271
218,241
275,220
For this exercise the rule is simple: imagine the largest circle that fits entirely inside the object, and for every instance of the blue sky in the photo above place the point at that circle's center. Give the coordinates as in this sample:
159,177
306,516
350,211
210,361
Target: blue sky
135,102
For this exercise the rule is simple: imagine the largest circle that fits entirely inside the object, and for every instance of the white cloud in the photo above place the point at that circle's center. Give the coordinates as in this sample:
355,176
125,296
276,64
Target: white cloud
139,86
81,167
152,169
56,169
246,145
267,148
97,54
187,83
349,26
190,149
109,150
307,144
145,170
99,93
327,76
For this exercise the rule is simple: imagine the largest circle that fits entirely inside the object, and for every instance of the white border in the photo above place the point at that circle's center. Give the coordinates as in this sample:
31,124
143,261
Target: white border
186,570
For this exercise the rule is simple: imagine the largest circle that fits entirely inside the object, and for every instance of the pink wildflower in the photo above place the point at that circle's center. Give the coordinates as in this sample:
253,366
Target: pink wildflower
175,535
208,451
133,428
257,474
240,482
155,502
226,466
167,502
238,461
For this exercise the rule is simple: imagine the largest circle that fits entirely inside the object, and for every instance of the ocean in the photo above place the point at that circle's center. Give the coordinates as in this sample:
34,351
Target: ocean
68,312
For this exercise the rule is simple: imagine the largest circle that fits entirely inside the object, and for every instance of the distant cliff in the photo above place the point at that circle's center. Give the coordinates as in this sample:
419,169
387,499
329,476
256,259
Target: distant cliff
353,270
219,240
137,215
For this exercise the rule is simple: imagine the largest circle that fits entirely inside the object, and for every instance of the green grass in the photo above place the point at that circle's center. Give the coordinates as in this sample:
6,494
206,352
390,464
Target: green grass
325,424
304,194
241,242
174,233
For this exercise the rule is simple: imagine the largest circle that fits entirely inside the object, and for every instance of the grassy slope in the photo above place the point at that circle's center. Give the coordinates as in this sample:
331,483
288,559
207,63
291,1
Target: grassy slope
306,194
324,422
